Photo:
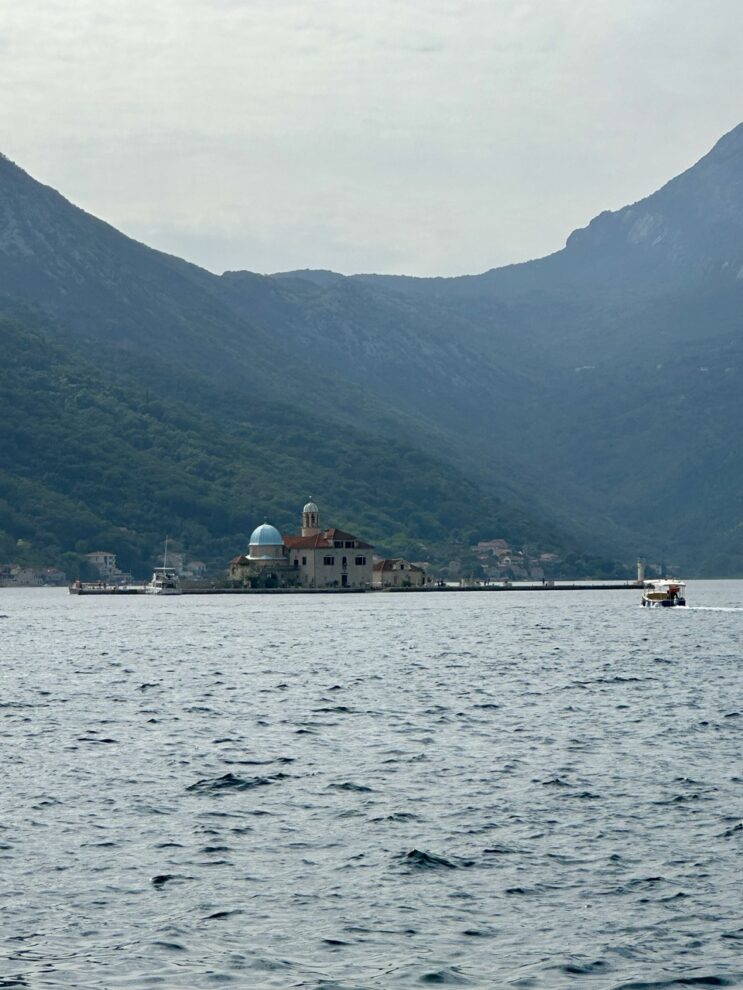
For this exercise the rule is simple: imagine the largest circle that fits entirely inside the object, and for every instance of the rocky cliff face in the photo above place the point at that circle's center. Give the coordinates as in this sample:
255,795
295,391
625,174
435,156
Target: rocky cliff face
691,228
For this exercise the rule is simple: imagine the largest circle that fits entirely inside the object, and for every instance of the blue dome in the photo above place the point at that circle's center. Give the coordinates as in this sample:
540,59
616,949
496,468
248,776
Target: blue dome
266,536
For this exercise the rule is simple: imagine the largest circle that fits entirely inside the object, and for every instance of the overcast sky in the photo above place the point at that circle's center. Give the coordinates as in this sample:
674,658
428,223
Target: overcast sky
413,136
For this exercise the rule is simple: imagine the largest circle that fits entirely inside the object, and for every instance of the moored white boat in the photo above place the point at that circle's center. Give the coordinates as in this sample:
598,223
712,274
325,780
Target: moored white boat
164,580
664,593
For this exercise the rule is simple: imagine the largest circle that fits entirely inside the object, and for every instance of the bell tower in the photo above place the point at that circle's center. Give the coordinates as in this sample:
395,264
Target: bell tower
310,519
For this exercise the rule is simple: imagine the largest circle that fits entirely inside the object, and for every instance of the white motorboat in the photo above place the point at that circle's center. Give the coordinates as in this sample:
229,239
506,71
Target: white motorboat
664,593
164,580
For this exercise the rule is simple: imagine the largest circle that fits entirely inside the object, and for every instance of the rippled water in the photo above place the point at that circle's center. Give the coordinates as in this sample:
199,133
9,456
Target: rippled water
373,791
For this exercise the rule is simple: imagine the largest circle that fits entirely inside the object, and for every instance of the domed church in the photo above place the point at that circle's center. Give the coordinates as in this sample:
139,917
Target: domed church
316,558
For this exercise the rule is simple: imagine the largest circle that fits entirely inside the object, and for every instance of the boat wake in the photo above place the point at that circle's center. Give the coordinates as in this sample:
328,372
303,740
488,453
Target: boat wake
703,608
713,608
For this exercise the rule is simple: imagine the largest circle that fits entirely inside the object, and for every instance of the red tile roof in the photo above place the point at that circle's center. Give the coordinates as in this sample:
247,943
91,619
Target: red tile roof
325,541
316,542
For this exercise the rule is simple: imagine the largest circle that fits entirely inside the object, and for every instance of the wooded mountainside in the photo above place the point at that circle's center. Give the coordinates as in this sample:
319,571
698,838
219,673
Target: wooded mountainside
588,402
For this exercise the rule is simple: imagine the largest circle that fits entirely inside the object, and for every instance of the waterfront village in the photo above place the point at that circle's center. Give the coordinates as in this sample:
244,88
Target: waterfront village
314,558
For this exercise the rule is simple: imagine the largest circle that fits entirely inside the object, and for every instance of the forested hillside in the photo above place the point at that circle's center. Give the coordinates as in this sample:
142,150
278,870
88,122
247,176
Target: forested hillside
590,400
90,459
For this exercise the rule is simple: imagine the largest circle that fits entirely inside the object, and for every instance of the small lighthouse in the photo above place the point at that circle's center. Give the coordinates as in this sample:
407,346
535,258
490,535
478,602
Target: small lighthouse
640,570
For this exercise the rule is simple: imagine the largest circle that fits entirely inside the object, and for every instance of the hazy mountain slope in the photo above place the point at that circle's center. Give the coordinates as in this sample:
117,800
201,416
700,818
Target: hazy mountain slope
274,340
430,362
595,388
90,282
632,321
601,296
344,354
90,457
690,229
465,382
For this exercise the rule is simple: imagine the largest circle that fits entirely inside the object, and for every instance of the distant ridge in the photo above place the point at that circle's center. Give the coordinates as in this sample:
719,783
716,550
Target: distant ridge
596,392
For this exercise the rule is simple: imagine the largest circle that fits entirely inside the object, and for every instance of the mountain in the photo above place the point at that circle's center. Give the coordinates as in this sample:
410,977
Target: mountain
136,400
691,228
594,394
92,457
630,401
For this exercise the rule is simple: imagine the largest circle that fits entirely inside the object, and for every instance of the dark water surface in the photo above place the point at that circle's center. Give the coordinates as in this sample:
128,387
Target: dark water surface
478,790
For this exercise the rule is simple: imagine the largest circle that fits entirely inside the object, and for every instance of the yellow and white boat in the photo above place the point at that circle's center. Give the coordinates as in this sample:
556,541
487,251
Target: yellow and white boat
664,593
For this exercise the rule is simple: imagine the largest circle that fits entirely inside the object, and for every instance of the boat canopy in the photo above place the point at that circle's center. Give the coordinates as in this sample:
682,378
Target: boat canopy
664,584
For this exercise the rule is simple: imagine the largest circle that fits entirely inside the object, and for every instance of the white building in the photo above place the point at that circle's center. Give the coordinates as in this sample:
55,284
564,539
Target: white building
315,558
104,563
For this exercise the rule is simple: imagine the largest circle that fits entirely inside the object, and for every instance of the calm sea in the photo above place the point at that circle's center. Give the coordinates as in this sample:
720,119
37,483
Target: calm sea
372,791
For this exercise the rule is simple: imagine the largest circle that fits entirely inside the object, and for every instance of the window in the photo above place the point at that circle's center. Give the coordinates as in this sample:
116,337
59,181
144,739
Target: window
350,544
338,544
296,563
360,561
304,561
328,561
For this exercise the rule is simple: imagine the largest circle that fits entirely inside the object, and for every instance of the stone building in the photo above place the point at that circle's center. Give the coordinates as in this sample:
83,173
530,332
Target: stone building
315,558
396,572
103,564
